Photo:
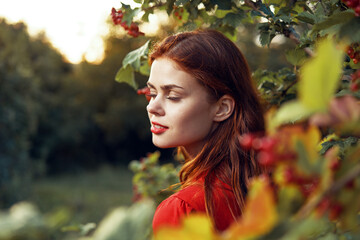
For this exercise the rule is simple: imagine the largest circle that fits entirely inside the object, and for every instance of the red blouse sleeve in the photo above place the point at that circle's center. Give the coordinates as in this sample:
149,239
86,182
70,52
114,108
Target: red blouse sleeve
170,212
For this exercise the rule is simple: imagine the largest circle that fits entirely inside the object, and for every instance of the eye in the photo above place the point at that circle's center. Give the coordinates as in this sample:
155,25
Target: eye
151,95
173,98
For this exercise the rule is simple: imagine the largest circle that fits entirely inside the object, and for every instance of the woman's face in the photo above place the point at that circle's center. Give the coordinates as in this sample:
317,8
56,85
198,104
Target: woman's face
179,110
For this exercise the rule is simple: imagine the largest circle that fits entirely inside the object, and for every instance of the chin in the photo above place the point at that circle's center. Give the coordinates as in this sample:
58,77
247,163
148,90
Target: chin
162,144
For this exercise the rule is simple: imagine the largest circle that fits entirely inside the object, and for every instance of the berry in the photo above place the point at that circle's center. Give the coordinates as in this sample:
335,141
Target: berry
117,17
357,11
266,158
323,206
267,144
335,211
354,87
289,175
144,91
350,184
257,143
124,25
246,141
134,27
350,52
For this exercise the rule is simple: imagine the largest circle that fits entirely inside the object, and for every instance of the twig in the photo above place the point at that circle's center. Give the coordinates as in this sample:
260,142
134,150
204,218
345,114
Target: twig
283,93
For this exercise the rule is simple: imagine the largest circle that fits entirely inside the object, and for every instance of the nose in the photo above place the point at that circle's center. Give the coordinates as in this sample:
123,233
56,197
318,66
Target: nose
155,107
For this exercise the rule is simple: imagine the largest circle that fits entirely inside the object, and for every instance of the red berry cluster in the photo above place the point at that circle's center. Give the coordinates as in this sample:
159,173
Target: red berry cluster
267,154
355,81
117,17
353,51
354,4
307,184
144,91
178,12
334,208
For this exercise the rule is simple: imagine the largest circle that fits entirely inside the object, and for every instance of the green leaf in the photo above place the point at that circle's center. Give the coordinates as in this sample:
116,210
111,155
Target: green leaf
231,35
233,19
296,57
126,75
306,17
254,13
264,38
169,6
222,5
290,112
133,57
145,69
265,9
337,18
221,13
130,14
350,30
320,76
304,159
181,2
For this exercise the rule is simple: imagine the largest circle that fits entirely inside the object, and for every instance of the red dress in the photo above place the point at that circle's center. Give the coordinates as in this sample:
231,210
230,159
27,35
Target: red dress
192,199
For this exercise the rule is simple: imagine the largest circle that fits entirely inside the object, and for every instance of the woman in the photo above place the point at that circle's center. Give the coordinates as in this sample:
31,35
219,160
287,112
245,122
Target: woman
201,100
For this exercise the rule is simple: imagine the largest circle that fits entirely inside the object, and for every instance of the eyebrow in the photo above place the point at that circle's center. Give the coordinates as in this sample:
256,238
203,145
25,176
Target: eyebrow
165,87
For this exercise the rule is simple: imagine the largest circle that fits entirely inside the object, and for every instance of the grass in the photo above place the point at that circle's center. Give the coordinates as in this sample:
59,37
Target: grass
88,196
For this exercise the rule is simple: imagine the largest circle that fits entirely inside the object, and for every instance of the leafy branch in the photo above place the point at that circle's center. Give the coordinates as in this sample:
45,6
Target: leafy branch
285,30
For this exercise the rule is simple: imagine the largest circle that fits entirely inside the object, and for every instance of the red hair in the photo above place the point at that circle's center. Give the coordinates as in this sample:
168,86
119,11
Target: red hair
220,67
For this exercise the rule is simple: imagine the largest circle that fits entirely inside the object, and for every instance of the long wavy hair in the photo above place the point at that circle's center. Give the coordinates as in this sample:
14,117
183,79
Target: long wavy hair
220,67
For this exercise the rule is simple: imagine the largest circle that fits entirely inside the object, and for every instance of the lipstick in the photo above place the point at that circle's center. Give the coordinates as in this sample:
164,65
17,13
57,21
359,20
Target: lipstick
157,128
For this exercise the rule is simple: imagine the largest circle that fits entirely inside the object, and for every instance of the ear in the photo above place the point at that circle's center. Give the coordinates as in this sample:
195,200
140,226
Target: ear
224,108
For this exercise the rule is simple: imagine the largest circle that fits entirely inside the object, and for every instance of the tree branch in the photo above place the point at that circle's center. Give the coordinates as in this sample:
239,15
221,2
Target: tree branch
287,31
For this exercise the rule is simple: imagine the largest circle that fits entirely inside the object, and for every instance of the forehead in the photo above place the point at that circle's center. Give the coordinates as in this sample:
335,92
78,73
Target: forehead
165,71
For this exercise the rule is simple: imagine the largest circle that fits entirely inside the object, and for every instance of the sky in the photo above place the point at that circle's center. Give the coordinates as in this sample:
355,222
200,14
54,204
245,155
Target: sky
75,27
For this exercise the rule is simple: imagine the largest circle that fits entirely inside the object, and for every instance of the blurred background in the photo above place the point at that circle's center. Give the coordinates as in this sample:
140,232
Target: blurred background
67,130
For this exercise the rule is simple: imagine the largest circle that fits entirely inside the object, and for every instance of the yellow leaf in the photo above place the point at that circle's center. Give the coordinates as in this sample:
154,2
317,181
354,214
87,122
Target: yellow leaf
259,215
320,76
310,139
196,226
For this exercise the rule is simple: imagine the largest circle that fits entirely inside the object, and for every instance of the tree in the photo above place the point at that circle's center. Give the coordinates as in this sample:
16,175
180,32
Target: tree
31,72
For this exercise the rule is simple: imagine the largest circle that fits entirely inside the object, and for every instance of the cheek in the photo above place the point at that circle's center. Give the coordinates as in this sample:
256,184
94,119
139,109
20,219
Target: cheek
197,121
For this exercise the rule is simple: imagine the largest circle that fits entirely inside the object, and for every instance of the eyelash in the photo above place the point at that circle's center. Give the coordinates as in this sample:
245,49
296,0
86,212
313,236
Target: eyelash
173,98
170,98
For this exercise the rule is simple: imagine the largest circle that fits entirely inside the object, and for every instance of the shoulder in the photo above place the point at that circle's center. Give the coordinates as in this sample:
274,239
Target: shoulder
194,196
173,209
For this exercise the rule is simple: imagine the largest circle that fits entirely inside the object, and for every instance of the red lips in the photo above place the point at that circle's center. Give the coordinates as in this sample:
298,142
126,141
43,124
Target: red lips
157,128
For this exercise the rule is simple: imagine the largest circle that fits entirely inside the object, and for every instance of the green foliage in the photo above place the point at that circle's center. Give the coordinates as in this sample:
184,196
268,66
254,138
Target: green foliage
133,60
24,221
319,80
318,193
57,117
301,103
30,73
152,180
133,223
